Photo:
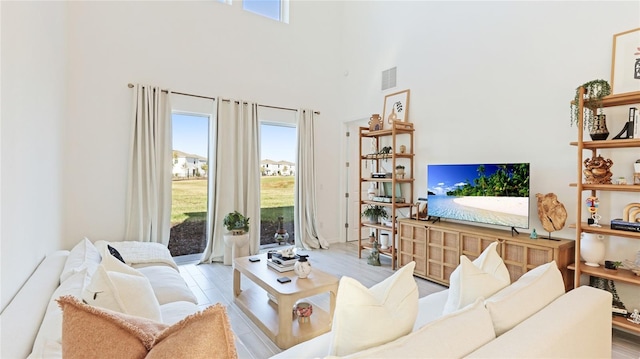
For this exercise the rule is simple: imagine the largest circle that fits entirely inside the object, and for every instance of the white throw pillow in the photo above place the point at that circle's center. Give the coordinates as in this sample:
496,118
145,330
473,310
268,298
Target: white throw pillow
120,288
525,297
366,318
480,278
83,255
168,284
453,336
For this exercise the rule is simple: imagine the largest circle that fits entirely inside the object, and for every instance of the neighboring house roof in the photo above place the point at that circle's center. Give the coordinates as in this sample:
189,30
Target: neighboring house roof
286,163
180,154
272,162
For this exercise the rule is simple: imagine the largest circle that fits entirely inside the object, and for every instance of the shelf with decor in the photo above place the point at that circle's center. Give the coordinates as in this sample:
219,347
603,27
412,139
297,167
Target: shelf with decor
390,150
588,187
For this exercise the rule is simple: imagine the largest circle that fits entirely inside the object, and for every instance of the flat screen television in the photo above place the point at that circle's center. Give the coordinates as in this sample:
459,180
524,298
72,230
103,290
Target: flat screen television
487,193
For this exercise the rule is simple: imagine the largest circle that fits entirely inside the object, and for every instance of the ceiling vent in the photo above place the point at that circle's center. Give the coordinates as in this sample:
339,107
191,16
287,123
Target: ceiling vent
389,78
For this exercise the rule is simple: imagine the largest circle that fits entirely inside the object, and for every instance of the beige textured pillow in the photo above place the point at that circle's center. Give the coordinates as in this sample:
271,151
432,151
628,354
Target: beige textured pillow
90,332
365,318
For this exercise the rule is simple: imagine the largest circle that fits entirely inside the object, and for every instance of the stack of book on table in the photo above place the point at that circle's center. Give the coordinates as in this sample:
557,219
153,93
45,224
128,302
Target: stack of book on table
281,264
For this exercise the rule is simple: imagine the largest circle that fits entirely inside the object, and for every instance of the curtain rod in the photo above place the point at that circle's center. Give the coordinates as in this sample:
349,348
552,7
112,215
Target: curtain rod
130,85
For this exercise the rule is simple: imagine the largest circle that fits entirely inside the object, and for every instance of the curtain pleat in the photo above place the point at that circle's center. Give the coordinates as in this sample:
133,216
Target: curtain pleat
307,235
148,202
237,177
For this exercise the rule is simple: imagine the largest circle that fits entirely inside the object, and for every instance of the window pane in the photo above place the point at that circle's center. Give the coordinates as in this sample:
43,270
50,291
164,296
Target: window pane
189,185
268,8
277,183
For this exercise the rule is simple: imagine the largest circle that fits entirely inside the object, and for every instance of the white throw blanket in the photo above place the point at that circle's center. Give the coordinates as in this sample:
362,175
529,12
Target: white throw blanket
136,253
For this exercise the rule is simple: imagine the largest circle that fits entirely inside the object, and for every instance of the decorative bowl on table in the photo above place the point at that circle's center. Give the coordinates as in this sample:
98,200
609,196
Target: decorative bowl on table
302,311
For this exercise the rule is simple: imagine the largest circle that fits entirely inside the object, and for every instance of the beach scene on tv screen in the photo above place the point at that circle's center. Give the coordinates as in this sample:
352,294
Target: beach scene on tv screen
486,193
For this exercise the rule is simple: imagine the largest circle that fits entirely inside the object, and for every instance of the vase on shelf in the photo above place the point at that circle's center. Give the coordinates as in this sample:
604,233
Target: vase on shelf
599,129
592,248
384,241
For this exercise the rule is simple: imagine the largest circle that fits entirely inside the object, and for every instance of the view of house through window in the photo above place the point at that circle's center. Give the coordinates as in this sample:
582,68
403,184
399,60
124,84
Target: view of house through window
277,183
189,184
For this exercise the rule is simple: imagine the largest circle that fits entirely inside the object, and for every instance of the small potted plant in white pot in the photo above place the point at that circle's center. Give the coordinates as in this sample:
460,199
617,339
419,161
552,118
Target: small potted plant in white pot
236,223
400,171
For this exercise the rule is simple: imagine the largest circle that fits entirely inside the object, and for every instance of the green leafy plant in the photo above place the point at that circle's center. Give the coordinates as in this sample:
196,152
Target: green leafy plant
595,91
236,222
375,211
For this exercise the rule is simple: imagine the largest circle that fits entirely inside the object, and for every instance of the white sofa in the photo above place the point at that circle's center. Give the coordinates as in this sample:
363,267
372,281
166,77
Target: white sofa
576,324
32,322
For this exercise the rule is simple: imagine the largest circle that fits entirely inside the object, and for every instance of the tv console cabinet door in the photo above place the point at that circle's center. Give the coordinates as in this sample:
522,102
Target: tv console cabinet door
413,247
473,244
443,254
520,258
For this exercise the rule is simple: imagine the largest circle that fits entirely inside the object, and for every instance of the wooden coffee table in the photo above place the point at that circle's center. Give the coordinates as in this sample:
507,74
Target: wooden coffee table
276,320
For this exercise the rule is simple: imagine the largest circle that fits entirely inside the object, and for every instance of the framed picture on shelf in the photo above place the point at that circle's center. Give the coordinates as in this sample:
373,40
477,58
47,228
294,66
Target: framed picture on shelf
396,107
625,62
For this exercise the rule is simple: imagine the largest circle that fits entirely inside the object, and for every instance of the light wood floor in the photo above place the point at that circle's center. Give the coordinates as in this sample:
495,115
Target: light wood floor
213,283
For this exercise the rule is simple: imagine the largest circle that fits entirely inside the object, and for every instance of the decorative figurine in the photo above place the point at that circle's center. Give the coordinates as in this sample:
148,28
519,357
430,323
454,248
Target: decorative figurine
597,170
374,257
533,235
592,203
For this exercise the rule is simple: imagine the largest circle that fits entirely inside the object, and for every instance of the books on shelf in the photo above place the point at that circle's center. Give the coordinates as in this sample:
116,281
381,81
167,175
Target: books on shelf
280,267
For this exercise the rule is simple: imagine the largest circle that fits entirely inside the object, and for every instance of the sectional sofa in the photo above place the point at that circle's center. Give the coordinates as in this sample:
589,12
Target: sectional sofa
148,289
479,316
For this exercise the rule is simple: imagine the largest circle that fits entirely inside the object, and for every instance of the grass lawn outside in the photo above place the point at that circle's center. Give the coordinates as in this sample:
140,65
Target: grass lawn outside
189,205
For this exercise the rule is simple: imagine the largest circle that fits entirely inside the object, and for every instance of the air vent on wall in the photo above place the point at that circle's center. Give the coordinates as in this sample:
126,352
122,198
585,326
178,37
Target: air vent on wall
389,78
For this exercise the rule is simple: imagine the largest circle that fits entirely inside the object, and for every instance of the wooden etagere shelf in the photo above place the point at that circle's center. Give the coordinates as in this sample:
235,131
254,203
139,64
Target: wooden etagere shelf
399,133
592,147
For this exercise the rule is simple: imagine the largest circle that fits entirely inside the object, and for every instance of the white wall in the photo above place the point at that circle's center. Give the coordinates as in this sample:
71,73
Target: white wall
202,47
492,82
33,118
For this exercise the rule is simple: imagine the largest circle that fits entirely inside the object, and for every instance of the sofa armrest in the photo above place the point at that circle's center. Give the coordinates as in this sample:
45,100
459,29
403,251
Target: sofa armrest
576,325
21,319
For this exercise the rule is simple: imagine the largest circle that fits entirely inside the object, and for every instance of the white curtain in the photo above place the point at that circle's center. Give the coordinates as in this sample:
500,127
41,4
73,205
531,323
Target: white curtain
237,175
148,206
305,214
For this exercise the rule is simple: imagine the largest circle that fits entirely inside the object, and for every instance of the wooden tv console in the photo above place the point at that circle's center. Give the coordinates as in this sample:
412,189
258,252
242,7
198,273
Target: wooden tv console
436,248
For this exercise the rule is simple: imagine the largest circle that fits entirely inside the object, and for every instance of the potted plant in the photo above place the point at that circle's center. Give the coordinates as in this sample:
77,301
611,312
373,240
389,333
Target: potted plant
374,212
400,171
593,120
236,223
612,265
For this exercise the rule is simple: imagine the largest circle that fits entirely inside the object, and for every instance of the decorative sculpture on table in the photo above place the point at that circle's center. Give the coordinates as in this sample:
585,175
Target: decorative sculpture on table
597,170
551,212
592,206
